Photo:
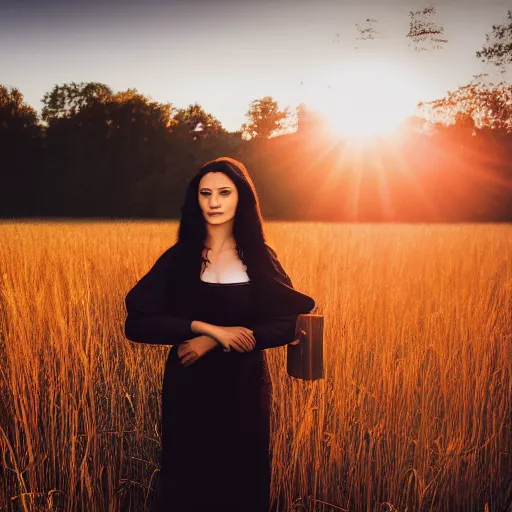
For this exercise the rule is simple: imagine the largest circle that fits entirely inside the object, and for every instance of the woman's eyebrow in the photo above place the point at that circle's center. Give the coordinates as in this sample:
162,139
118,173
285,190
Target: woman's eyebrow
220,188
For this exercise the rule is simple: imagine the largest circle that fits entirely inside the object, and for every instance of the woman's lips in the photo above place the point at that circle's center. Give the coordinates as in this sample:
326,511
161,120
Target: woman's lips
215,214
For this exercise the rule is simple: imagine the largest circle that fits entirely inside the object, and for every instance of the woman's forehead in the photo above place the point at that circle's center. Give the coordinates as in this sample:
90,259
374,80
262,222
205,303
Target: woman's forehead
215,180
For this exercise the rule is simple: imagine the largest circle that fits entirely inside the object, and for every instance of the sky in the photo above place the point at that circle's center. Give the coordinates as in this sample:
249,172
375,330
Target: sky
224,54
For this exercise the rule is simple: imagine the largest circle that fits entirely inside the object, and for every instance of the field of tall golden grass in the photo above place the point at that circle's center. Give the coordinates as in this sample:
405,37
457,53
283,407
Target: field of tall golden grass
414,413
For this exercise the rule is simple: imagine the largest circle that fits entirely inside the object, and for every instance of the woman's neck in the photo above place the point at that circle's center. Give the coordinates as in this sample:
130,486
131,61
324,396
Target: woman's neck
220,238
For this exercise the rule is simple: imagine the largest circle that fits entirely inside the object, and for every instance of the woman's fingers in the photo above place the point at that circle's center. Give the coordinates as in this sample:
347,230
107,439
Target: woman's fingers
243,340
241,343
246,341
249,335
238,342
186,354
249,332
251,338
251,343
189,358
237,345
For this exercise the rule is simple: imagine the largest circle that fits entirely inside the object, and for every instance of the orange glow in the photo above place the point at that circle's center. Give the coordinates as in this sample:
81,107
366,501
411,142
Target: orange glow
366,99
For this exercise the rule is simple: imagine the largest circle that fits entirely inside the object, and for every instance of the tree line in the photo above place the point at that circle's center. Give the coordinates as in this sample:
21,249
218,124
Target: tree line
94,152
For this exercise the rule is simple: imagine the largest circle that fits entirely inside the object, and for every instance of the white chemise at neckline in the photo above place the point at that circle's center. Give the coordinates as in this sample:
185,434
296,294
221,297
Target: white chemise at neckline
224,284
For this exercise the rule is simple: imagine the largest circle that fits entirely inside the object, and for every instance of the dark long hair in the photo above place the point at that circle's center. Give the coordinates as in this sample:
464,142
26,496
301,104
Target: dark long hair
248,224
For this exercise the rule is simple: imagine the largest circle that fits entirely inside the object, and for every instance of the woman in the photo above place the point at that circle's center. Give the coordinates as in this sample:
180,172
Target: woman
220,297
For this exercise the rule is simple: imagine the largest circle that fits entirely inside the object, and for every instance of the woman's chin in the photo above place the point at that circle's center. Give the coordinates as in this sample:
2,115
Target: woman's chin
217,219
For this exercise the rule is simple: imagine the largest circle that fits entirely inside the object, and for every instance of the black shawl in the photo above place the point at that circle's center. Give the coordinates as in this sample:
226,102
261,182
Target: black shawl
153,304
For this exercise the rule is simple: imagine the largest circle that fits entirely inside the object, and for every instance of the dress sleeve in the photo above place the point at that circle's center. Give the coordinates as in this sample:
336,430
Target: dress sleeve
149,306
274,333
278,330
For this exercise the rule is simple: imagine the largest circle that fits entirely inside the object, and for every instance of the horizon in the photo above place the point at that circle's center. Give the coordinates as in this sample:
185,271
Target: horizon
296,52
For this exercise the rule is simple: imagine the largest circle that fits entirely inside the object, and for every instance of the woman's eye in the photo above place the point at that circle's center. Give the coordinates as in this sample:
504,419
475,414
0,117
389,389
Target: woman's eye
227,192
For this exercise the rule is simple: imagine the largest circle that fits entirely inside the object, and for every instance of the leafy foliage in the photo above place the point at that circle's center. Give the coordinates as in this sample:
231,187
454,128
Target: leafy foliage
488,104
15,115
498,47
65,101
200,124
265,118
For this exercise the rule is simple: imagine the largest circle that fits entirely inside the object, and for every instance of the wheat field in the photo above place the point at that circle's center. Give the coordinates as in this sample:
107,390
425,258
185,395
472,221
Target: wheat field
414,412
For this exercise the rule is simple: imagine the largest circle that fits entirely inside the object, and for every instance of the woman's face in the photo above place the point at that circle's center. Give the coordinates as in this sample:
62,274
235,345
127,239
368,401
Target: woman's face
217,193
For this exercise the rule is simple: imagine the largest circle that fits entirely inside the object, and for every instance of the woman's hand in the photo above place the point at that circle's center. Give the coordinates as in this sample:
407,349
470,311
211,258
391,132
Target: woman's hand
191,350
298,333
238,338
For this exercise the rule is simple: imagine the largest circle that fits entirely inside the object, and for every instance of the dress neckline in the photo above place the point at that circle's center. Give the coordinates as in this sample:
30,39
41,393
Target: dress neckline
223,284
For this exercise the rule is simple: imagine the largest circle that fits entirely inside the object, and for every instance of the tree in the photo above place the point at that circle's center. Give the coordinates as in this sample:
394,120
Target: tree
490,105
136,112
265,118
19,152
110,146
66,100
198,123
15,115
93,107
498,50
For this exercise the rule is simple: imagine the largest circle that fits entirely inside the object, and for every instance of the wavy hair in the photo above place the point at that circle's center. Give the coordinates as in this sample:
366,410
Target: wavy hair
248,224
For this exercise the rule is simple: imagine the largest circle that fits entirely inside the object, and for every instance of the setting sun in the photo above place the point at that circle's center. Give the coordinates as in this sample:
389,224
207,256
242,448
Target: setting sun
366,99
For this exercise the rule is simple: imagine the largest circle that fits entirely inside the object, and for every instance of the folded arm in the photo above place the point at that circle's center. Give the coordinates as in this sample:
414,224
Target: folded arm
274,333
150,303
163,329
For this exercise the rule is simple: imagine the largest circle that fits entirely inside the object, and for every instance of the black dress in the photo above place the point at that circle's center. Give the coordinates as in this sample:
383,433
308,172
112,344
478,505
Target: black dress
215,412
216,418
